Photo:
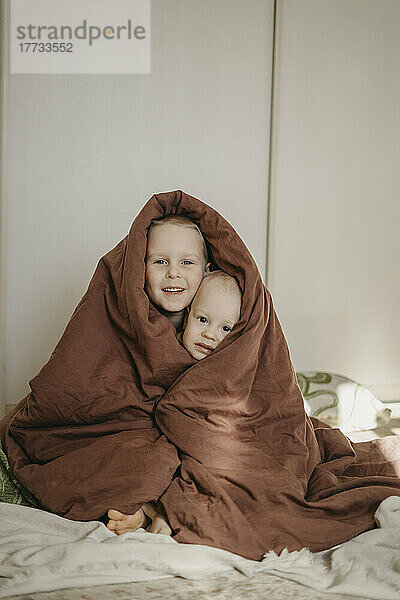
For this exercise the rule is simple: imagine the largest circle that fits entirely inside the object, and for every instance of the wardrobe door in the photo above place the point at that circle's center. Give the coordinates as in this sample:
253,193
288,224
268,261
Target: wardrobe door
334,252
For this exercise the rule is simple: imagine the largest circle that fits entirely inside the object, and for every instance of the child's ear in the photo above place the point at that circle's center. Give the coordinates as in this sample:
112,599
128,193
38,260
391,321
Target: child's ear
207,268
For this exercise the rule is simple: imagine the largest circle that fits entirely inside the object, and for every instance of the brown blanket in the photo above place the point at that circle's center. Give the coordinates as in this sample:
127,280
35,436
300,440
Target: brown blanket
122,414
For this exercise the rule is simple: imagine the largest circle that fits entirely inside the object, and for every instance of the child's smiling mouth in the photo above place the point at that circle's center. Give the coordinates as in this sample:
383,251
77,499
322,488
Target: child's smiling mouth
173,290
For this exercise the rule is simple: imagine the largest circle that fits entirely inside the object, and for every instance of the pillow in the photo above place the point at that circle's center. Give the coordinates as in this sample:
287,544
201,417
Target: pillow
341,402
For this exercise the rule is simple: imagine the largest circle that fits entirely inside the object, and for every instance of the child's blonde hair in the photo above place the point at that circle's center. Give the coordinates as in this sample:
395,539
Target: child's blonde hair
228,281
185,222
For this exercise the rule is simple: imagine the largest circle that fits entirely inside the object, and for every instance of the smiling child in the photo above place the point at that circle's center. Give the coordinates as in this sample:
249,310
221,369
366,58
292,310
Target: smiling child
176,261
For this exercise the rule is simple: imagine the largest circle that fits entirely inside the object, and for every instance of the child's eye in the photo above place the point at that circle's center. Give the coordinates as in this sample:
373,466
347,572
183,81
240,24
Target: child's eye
226,328
202,319
188,262
160,261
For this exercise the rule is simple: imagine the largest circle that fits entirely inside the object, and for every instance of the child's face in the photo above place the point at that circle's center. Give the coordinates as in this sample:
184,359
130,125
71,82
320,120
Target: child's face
175,266
212,315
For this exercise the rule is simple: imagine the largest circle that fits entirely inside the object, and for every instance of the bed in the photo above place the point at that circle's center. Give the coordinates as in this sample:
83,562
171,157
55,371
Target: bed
226,585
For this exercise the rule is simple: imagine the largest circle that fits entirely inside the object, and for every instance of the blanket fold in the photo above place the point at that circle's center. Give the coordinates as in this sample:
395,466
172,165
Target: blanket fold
122,414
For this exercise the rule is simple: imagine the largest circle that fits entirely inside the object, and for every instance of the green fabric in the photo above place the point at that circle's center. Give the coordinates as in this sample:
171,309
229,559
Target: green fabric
11,490
341,402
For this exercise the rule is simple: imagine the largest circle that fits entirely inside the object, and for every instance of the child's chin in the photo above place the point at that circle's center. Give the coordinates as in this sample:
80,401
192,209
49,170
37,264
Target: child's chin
197,355
173,306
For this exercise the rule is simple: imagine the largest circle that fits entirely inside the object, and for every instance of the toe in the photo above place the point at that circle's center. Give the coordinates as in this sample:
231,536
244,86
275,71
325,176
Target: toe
116,515
111,525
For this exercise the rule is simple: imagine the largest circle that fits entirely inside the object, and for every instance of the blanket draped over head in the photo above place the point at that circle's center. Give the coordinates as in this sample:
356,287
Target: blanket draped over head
121,415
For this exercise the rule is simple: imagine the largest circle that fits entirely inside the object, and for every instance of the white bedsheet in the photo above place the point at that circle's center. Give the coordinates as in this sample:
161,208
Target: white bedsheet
40,551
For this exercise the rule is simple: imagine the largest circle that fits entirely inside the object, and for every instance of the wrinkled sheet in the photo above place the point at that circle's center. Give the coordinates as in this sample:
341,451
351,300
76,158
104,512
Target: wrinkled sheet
40,551
121,414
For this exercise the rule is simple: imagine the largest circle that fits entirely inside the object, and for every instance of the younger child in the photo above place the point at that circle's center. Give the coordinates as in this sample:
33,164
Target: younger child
212,314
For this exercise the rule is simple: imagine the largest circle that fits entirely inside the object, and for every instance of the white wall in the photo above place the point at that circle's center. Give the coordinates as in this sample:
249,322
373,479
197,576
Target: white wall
334,251
84,152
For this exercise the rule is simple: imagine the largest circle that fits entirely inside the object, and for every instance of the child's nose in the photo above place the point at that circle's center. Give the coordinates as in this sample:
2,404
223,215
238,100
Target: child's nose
209,333
173,271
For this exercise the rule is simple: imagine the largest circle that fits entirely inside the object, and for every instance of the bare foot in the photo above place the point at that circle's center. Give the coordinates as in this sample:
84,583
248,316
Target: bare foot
159,523
120,523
